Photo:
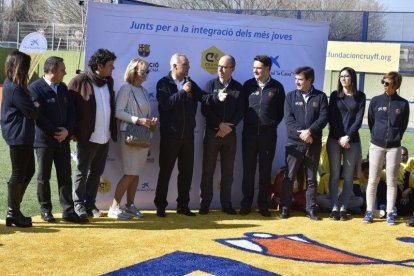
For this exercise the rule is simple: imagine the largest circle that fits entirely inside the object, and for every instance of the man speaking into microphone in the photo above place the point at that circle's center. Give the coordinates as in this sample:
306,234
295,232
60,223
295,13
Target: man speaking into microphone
222,116
177,97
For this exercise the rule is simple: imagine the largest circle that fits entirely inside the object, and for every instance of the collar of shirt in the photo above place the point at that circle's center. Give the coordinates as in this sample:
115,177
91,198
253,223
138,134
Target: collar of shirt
179,84
306,95
52,85
263,84
225,83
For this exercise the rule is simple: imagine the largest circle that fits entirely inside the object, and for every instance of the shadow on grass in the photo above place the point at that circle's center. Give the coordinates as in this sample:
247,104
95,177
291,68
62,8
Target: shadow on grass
173,221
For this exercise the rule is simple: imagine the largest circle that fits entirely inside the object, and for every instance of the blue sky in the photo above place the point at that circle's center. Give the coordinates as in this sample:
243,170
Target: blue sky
398,5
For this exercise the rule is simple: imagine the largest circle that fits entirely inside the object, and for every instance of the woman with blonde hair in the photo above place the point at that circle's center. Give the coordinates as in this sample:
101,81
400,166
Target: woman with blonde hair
388,117
132,107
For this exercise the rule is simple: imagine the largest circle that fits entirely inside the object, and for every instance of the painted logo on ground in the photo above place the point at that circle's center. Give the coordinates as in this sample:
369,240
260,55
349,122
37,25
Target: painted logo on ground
300,248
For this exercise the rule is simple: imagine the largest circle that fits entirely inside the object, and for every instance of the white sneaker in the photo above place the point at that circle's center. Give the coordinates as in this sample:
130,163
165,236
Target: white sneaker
118,213
133,210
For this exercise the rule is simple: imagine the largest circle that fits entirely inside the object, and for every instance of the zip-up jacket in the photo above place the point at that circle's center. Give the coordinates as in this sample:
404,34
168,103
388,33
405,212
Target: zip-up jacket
18,113
388,119
346,115
55,110
300,115
229,111
263,107
177,108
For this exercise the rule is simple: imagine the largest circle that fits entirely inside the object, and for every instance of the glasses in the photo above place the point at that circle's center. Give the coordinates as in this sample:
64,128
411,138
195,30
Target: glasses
385,83
223,67
344,76
143,72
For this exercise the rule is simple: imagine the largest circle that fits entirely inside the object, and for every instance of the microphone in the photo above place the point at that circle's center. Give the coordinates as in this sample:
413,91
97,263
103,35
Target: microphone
187,79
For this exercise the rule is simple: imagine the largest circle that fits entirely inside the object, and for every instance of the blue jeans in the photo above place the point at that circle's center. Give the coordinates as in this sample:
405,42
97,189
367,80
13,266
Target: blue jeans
350,158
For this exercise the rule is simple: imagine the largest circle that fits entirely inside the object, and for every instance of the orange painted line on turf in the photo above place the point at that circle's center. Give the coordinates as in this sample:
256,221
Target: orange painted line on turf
284,247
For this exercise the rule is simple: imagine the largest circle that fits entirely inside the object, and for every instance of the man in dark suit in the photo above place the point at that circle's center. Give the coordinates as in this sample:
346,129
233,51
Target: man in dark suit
53,126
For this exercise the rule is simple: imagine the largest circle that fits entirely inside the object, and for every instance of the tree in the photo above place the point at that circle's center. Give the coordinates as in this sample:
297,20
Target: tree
344,25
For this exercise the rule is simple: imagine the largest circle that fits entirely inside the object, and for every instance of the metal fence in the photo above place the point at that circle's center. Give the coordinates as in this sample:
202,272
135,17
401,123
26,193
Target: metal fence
59,36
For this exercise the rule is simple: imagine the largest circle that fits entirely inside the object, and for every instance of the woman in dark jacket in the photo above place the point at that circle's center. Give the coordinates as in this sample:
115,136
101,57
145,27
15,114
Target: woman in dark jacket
346,111
388,116
18,113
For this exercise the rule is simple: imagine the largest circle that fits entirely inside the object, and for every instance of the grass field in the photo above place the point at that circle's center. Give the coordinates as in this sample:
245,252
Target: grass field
30,205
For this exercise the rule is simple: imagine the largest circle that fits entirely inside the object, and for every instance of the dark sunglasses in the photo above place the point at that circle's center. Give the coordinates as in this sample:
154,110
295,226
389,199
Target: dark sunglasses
142,72
385,83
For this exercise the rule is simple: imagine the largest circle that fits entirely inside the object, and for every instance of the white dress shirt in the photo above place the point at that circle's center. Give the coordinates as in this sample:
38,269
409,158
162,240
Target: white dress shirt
102,134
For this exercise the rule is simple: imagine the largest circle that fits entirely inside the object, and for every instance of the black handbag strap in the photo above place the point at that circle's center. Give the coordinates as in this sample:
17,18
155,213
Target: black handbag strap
133,95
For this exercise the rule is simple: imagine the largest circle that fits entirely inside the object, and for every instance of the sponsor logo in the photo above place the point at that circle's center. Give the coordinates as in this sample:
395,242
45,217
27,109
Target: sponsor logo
152,96
305,249
146,187
178,263
104,186
144,50
153,66
282,73
210,58
275,61
33,43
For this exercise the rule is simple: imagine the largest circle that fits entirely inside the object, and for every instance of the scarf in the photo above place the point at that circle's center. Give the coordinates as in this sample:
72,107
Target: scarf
85,87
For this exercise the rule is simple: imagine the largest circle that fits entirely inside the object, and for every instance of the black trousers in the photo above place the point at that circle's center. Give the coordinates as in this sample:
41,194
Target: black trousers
170,150
23,169
61,158
91,165
296,158
258,143
213,145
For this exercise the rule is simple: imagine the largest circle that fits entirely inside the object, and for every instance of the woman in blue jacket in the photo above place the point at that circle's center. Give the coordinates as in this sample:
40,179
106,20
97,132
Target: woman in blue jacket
346,111
18,113
388,116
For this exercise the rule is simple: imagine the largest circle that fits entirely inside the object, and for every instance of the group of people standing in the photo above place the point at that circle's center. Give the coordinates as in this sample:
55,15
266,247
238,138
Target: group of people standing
47,114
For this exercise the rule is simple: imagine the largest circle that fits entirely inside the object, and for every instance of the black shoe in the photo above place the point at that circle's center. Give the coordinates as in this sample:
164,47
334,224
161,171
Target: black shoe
334,215
229,211
48,217
17,218
161,213
410,221
244,211
343,216
74,218
285,213
312,215
186,212
203,211
265,212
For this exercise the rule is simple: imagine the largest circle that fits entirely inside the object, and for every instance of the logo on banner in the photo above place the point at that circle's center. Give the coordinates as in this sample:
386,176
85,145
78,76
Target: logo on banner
104,186
146,187
153,66
274,61
210,58
152,97
144,50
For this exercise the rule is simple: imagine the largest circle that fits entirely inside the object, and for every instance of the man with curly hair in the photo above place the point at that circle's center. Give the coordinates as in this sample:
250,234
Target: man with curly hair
94,99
